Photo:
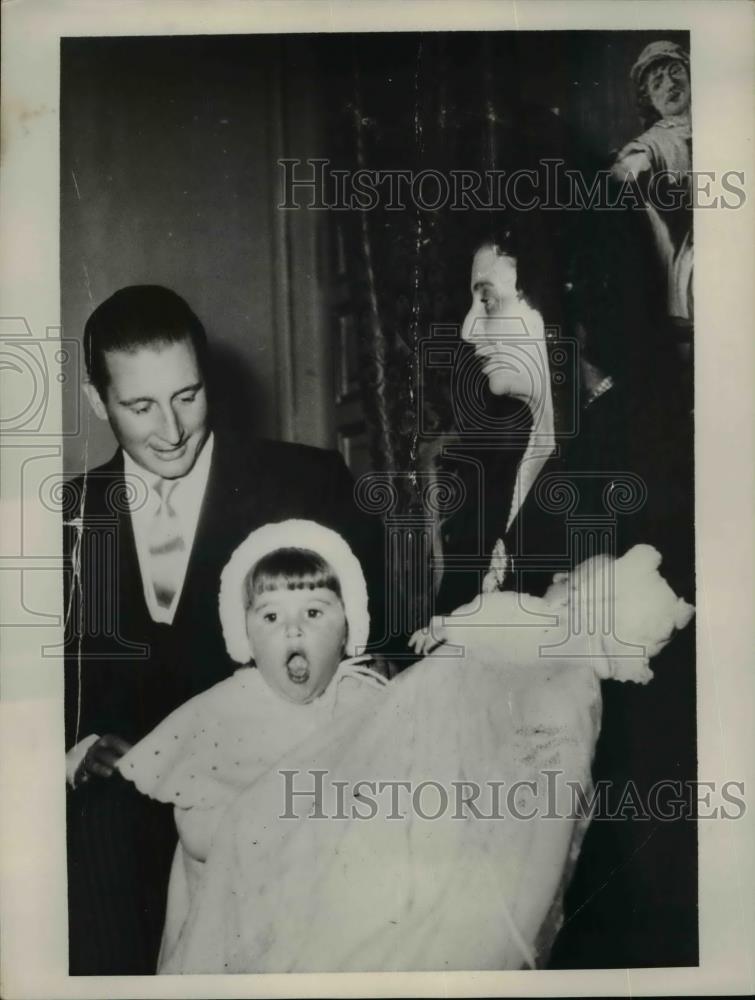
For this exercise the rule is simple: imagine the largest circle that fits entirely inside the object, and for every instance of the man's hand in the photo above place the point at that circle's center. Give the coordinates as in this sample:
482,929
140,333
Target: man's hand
101,758
425,640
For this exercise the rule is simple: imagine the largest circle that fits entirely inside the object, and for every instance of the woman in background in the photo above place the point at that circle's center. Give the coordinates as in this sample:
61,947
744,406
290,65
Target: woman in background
596,457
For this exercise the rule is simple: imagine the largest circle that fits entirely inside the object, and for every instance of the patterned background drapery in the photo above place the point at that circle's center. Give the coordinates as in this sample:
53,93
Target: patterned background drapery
462,102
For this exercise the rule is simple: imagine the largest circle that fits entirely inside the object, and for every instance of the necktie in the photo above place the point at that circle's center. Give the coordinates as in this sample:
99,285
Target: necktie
166,545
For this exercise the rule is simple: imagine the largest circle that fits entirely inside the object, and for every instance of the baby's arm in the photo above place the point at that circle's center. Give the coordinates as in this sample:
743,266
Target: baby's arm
496,624
425,640
504,626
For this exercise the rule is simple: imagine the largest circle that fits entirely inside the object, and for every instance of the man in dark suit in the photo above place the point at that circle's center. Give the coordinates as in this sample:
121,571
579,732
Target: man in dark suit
147,535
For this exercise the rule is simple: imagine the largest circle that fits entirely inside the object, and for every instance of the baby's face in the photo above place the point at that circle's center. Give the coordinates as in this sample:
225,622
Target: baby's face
298,638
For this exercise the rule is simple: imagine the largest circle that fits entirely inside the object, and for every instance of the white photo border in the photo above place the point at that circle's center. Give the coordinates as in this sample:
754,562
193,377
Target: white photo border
32,832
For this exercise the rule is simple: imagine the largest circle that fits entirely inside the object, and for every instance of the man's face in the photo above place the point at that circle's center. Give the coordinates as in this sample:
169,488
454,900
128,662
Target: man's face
512,359
156,404
668,88
298,638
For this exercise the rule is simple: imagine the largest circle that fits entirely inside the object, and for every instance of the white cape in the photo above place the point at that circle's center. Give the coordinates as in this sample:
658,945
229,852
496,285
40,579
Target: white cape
409,893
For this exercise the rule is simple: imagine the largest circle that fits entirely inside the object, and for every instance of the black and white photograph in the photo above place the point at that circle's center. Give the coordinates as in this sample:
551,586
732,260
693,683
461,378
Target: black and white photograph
379,541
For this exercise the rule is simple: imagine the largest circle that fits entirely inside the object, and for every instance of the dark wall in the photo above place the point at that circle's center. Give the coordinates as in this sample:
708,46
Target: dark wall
581,75
168,176
585,75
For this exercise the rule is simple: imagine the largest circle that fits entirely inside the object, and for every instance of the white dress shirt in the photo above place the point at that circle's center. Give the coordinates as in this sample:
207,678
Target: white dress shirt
186,500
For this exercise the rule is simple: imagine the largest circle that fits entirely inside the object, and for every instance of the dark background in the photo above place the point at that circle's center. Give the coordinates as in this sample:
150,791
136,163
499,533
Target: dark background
169,175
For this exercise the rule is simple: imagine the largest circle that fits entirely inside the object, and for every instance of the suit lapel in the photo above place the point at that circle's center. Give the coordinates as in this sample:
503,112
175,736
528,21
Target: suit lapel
531,513
217,527
106,511
210,514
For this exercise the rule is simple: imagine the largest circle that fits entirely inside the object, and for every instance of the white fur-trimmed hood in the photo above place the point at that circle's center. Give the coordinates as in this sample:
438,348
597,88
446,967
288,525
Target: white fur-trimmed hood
299,534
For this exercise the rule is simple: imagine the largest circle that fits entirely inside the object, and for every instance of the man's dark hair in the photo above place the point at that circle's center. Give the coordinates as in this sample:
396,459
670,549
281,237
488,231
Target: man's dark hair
139,316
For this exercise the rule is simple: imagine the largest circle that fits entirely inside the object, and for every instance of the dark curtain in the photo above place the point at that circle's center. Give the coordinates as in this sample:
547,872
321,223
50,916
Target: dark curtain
427,105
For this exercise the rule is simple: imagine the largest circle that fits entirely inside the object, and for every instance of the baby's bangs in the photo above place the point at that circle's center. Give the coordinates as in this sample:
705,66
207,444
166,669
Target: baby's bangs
291,569
267,583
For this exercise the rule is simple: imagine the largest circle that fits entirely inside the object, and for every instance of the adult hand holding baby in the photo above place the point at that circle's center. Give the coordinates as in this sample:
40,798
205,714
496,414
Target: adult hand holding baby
425,640
618,613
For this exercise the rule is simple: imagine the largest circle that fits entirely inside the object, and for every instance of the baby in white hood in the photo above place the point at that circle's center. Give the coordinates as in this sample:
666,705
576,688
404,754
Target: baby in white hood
293,606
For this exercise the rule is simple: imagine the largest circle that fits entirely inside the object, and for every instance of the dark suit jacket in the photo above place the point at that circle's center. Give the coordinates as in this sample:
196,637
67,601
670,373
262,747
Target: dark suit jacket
124,673
625,477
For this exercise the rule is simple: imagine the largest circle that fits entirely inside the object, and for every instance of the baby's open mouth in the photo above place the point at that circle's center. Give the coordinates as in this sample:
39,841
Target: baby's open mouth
297,668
